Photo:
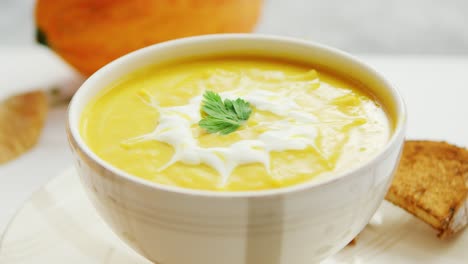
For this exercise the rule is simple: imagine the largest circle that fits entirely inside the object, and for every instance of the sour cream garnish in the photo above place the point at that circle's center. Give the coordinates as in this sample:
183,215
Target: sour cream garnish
294,131
175,124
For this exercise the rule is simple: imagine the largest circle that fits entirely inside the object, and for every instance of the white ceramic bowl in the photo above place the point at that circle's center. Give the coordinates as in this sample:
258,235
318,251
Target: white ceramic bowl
301,224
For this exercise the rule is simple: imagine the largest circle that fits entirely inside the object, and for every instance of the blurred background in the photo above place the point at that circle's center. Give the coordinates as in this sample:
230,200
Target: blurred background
360,26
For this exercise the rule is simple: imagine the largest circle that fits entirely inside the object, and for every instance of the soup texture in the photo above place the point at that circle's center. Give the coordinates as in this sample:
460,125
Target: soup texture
304,124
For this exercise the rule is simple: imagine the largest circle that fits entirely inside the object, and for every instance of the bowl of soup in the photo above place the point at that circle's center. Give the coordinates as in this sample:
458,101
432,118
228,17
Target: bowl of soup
236,148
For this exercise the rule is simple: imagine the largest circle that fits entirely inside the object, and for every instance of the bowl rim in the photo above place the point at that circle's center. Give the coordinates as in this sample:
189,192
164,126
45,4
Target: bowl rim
72,124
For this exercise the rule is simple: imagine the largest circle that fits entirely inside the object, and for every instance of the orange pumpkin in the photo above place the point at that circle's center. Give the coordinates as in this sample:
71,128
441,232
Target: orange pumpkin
90,33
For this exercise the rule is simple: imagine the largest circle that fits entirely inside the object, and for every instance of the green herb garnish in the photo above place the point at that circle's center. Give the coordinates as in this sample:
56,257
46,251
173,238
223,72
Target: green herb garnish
223,117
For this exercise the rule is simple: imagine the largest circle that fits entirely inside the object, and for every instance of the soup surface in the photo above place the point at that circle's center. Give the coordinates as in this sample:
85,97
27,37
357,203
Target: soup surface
305,123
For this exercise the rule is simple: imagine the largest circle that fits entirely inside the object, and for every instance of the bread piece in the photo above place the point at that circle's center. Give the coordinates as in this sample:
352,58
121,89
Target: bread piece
432,184
21,120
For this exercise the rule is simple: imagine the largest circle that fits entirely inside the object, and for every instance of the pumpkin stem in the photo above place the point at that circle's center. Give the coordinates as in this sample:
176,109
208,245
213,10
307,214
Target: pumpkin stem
41,37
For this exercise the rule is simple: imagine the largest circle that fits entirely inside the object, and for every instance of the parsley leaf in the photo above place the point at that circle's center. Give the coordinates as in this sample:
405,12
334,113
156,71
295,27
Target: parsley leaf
223,117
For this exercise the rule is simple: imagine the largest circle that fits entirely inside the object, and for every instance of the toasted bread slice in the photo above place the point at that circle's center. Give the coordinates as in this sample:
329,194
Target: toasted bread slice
21,121
432,184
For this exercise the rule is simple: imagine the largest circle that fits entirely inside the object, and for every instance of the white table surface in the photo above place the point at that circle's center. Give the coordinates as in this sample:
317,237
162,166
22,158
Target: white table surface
435,89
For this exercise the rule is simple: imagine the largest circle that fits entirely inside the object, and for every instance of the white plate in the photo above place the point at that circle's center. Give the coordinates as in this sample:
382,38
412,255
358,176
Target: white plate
59,225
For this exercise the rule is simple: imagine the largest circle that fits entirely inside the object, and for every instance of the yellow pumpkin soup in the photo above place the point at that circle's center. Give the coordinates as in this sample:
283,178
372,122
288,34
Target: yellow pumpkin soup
234,124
